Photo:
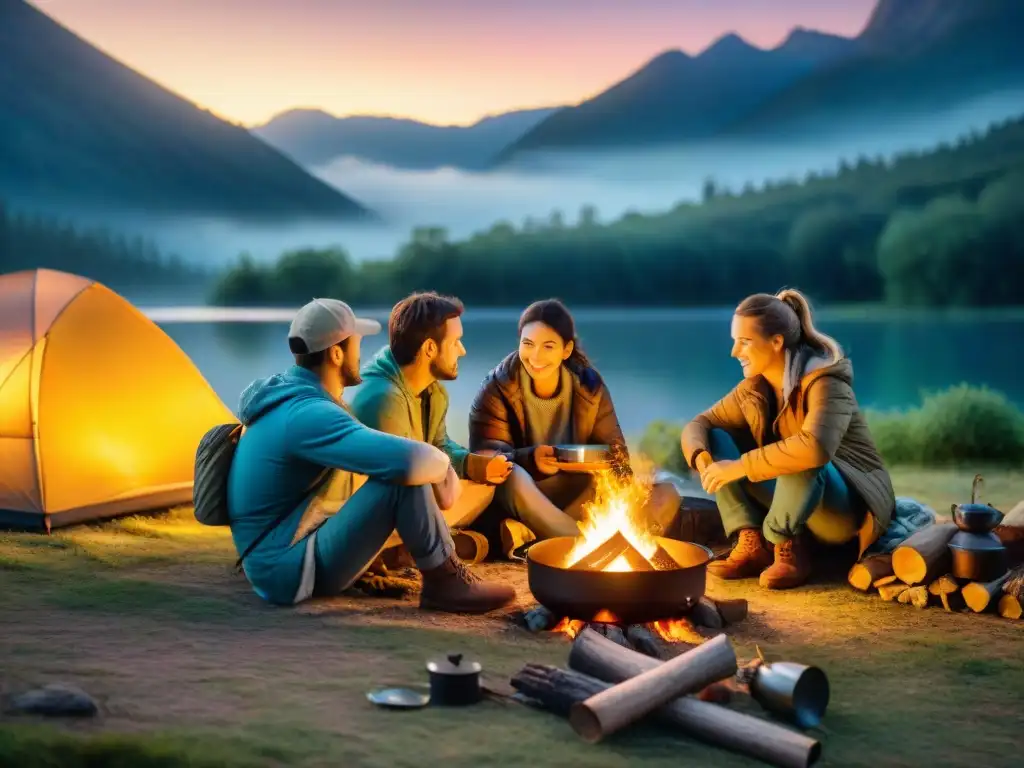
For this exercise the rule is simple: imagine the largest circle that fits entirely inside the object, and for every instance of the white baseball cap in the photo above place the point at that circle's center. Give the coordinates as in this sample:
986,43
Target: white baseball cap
322,323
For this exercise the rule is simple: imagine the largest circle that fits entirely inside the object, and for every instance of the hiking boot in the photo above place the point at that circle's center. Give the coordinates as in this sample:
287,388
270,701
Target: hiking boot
470,546
453,588
748,558
792,566
514,535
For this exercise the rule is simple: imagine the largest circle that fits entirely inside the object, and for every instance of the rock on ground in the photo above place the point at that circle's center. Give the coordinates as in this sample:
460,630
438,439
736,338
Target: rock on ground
56,699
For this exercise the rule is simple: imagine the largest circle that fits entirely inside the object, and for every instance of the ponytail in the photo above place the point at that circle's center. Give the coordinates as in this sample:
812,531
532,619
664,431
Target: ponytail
809,335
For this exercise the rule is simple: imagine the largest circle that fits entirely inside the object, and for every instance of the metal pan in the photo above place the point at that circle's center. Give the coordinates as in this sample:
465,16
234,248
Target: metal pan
582,454
632,597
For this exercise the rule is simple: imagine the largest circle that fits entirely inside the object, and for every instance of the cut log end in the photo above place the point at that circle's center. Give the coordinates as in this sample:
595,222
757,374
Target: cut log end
585,723
864,574
944,585
1010,607
924,556
890,592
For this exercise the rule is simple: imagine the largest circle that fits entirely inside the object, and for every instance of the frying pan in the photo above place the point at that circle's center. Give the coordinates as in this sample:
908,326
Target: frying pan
632,597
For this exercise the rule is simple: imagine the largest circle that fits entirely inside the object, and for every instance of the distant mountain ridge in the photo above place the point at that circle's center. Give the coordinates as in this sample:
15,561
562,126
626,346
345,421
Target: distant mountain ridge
78,128
314,137
911,54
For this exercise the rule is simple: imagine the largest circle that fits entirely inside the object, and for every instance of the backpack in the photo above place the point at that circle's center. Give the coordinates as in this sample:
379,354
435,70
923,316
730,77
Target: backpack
210,485
213,463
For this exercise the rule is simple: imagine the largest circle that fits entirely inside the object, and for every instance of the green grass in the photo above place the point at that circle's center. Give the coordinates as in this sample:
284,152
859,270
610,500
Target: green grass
192,670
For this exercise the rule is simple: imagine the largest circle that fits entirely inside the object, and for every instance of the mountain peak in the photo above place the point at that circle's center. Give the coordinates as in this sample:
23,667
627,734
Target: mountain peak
802,41
899,22
728,44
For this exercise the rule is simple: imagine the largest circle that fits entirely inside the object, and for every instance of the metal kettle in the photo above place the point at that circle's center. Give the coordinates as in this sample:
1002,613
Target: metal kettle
976,517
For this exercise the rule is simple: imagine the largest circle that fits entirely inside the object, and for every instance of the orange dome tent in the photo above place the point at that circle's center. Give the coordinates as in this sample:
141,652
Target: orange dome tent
100,411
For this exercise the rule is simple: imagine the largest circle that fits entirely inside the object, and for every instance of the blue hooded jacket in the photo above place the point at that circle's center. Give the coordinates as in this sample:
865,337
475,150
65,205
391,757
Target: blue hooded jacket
293,431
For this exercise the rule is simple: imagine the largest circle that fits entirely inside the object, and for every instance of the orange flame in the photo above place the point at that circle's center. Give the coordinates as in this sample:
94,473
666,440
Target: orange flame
570,627
677,631
616,507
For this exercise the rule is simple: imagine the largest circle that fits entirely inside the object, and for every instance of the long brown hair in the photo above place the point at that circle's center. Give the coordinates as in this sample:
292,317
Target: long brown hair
788,314
556,316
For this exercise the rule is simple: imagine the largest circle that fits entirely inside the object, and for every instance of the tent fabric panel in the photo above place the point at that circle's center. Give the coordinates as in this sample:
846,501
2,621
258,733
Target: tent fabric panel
153,500
54,291
15,403
16,312
121,407
19,481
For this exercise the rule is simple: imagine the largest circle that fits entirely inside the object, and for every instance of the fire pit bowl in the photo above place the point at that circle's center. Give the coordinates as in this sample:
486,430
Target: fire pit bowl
628,597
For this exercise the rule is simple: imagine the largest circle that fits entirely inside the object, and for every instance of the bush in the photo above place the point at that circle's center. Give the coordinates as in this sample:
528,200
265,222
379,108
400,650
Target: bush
660,443
960,424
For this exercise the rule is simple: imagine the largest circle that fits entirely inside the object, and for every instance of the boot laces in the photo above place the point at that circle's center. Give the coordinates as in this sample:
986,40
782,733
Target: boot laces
463,571
749,542
785,549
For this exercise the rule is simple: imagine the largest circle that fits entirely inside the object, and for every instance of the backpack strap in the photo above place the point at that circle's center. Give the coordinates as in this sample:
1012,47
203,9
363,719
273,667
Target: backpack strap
280,519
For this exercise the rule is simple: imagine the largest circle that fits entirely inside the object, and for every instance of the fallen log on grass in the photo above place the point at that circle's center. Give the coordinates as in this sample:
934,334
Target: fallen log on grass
611,710
924,556
864,574
557,690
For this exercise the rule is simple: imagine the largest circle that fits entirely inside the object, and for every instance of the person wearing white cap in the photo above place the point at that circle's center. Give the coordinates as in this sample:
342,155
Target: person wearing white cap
293,491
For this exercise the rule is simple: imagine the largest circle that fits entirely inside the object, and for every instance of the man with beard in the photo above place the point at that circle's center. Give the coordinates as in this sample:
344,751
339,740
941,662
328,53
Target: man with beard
326,492
403,395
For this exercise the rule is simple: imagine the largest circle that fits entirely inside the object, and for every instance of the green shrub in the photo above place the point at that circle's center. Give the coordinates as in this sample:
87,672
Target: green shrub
660,443
960,424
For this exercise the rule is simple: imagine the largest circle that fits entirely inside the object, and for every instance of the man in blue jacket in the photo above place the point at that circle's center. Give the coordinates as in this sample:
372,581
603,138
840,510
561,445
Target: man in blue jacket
341,487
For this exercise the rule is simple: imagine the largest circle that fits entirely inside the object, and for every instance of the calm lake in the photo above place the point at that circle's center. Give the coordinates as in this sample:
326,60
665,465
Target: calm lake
659,364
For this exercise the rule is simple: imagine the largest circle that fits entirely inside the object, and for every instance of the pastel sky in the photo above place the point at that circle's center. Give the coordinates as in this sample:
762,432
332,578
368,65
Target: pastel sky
443,61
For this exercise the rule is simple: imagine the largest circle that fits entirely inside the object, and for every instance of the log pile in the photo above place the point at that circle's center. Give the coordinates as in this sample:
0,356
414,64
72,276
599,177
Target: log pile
659,639
608,687
917,574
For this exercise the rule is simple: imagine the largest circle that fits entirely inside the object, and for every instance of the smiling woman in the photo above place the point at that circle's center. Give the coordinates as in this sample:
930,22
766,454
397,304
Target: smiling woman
788,450
544,394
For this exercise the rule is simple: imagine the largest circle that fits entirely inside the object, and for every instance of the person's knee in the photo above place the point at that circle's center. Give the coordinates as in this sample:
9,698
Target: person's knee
721,445
518,482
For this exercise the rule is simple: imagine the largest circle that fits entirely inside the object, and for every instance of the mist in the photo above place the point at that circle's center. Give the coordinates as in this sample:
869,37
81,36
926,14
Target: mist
614,183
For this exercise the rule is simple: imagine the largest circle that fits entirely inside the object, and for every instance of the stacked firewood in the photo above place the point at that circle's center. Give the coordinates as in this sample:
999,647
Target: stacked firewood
918,573
607,687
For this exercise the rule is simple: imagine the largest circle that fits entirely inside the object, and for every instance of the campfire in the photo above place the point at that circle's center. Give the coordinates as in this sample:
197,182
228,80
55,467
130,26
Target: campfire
623,579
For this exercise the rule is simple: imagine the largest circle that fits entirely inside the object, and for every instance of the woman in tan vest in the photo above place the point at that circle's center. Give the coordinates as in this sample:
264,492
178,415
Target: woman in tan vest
788,452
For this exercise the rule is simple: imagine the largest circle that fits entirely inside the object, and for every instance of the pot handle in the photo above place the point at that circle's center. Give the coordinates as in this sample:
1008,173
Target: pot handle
455,658
976,488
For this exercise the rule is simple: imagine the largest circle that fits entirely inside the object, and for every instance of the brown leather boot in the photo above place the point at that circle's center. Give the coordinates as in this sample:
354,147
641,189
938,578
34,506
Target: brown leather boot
453,588
748,558
792,566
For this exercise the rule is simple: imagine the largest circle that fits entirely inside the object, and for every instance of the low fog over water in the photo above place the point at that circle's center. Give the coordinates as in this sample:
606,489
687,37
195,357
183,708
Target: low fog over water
614,182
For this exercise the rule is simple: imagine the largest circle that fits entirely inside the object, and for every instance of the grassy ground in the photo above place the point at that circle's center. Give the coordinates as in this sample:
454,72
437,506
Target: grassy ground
190,668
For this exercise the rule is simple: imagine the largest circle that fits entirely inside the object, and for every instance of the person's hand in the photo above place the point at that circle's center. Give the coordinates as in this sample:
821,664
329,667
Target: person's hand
721,473
703,461
448,490
544,458
497,471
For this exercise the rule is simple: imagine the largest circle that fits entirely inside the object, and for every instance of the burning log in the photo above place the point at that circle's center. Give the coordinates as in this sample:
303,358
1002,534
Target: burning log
612,631
731,611
650,644
662,560
924,556
608,552
594,659
979,596
705,613
864,574
611,710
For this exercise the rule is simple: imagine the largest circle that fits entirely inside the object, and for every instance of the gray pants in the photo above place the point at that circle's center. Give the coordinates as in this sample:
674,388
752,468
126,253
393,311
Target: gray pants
551,506
349,541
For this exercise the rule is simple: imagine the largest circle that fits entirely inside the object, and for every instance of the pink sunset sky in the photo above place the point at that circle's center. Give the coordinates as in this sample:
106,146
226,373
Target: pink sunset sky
441,61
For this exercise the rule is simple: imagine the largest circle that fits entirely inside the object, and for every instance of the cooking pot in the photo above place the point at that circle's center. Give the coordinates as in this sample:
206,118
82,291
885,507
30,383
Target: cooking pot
454,681
630,597
978,556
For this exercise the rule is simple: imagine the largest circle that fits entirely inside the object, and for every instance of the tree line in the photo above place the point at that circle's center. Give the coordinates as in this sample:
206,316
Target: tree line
938,228
34,241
